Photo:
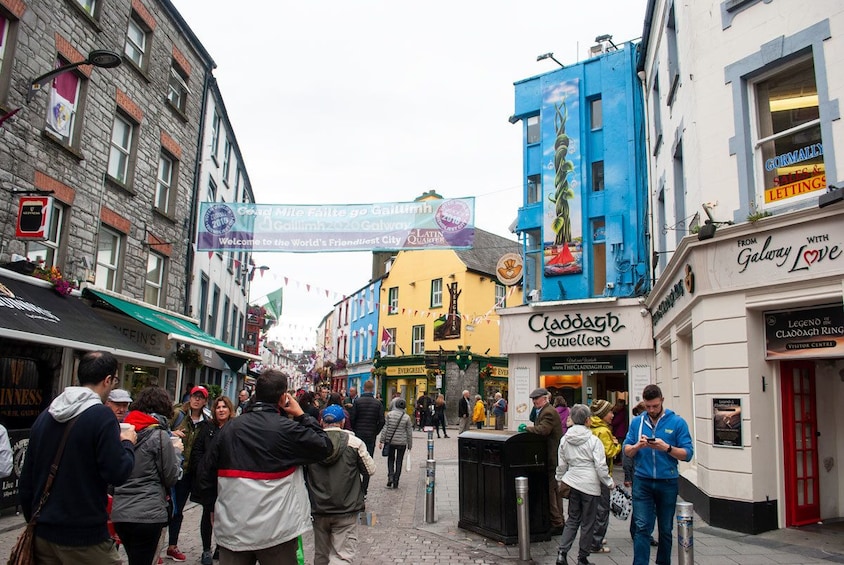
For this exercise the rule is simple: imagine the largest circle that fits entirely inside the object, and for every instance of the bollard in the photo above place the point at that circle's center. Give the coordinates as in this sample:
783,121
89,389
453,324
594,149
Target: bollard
430,485
685,533
430,431
522,521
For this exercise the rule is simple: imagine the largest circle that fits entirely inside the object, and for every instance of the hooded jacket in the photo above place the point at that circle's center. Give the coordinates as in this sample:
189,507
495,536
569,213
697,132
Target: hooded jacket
670,428
334,484
582,462
603,432
143,498
398,420
255,461
94,457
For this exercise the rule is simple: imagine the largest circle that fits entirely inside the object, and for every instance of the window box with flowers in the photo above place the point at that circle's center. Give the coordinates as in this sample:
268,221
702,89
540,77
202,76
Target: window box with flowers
486,371
53,275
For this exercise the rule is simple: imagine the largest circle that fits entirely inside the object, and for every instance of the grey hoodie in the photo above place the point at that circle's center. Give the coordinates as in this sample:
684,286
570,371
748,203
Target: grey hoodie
582,463
72,402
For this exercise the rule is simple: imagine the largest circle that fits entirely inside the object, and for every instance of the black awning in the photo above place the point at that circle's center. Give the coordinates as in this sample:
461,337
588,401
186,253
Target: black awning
32,312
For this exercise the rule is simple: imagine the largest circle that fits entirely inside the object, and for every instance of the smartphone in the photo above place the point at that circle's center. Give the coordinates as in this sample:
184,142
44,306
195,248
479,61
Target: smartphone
651,439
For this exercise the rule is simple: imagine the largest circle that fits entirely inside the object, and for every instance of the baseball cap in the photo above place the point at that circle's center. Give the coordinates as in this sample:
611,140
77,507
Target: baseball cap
333,414
119,395
199,390
539,392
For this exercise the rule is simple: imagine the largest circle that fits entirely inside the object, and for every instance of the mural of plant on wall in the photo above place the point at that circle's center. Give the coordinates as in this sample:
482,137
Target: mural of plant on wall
562,168
563,256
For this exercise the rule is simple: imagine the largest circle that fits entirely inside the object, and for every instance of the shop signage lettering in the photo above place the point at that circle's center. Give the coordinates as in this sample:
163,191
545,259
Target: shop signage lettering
150,339
815,250
31,309
583,363
805,186
803,154
407,370
676,293
574,330
807,332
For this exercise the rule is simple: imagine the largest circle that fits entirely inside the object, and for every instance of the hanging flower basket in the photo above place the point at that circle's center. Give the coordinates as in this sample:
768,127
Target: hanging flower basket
486,371
190,358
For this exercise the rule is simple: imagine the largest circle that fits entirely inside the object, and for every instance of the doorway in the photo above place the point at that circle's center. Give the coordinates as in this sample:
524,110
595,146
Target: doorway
800,443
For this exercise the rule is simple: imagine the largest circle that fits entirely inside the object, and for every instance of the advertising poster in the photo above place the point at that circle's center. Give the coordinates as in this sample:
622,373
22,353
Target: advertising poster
520,399
391,226
561,179
726,422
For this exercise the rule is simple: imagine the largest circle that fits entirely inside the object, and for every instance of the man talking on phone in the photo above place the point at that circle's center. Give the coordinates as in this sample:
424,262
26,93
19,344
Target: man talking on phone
656,440
255,467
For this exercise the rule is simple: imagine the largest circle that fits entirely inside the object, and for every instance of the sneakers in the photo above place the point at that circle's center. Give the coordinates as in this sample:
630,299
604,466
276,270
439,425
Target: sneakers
176,555
206,558
602,549
160,561
562,558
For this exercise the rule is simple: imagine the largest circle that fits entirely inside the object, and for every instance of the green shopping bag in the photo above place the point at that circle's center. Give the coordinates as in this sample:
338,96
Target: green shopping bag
300,552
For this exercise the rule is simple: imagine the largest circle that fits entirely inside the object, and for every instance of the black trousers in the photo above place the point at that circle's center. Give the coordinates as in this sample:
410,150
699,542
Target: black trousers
139,540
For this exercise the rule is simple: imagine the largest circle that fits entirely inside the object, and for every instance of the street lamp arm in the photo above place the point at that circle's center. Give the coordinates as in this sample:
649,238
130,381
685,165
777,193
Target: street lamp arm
102,58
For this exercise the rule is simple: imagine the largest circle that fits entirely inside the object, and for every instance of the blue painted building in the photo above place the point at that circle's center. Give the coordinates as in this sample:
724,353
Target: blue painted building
583,332
584,222
363,339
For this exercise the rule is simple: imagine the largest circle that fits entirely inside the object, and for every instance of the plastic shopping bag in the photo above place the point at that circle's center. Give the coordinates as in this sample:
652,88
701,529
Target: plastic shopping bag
407,461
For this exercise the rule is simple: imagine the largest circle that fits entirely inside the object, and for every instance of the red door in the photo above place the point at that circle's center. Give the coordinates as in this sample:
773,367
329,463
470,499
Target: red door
800,441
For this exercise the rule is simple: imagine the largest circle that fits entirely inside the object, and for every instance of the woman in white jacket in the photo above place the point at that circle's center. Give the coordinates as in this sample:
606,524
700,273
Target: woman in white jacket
582,465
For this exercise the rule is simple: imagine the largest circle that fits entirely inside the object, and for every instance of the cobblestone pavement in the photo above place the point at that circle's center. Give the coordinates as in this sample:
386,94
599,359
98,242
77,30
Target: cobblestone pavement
400,534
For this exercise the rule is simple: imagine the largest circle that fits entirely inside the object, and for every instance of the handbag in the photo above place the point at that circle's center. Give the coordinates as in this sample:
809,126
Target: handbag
385,451
621,503
23,553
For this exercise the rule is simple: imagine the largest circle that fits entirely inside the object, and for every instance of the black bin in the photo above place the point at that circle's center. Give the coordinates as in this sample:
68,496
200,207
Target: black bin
489,462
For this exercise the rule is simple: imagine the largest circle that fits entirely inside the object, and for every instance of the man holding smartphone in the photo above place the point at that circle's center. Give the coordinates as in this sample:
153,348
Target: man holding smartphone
656,440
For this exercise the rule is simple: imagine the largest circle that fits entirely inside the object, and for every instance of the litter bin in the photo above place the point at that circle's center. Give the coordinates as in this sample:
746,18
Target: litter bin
489,462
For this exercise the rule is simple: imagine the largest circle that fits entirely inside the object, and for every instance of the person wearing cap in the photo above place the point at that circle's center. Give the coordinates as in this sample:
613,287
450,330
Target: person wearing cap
398,434
186,425
602,415
336,492
548,424
583,467
118,401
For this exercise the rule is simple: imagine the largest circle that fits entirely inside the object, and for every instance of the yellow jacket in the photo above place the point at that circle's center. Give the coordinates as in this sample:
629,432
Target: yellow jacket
603,432
479,412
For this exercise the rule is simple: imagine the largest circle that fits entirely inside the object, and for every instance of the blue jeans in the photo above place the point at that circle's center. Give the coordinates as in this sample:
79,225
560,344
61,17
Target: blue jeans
653,500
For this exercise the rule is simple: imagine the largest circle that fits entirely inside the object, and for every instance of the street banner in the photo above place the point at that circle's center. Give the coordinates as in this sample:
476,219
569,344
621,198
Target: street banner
392,226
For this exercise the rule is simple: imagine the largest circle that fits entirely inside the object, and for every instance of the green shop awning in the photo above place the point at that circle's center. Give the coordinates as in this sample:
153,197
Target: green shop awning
176,328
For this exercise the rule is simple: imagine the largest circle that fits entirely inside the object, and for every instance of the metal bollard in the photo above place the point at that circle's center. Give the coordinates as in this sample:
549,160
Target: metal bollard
430,486
685,533
430,431
522,521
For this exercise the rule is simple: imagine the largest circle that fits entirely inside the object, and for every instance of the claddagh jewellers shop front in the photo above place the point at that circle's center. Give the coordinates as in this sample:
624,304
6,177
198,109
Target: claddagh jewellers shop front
582,350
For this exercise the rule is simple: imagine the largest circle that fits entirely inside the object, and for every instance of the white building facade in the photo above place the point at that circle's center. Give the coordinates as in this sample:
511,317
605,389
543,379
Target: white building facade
744,128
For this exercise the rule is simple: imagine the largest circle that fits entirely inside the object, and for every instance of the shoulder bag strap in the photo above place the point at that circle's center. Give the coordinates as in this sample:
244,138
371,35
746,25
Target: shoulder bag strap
396,428
54,468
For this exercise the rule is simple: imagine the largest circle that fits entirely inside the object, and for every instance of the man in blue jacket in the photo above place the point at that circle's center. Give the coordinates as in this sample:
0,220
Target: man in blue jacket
72,526
656,440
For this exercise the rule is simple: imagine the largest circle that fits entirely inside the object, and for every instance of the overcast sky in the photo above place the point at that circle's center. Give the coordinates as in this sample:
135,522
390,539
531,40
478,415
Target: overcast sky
346,101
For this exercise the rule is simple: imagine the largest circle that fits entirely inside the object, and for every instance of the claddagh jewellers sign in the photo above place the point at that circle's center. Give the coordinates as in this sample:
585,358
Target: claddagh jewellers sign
575,330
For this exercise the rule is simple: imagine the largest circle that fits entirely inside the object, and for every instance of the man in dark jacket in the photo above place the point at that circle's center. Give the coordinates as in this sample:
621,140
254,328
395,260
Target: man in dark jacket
464,411
72,523
336,491
256,461
367,421
548,424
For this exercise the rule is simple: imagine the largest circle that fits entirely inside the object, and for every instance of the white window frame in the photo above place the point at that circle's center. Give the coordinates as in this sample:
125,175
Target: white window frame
135,48
436,293
500,295
391,347
177,89
90,6
417,345
164,183
227,157
154,286
393,300
47,251
108,270
215,135
120,149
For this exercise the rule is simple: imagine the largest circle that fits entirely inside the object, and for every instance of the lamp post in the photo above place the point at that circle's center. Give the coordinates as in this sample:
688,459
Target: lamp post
101,58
